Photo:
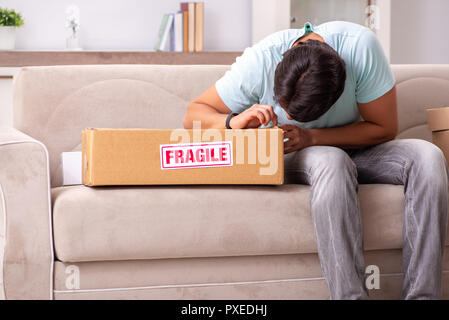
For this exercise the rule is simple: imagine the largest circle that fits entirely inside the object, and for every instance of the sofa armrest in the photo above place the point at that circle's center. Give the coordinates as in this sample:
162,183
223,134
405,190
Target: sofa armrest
26,249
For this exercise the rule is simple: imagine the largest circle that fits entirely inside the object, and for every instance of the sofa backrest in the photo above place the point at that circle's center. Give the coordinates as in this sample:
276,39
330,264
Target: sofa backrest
419,87
54,104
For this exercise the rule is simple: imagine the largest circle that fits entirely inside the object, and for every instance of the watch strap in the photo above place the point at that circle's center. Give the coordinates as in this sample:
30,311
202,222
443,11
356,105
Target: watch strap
228,119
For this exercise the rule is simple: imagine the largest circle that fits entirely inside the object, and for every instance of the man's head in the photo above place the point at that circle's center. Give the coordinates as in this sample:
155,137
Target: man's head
309,80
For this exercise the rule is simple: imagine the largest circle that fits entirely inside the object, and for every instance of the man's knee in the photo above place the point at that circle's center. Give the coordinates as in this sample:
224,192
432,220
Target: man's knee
330,159
426,157
331,163
320,163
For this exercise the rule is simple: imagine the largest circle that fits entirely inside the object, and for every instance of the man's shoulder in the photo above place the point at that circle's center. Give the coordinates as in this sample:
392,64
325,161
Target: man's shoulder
343,28
279,41
349,39
270,49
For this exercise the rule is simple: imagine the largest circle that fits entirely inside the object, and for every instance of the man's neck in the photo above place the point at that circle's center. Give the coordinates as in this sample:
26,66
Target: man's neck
310,36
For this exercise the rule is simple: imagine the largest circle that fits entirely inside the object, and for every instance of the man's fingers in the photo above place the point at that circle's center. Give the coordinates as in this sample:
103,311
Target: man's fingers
266,114
292,136
275,120
273,115
291,142
287,127
289,134
259,114
267,111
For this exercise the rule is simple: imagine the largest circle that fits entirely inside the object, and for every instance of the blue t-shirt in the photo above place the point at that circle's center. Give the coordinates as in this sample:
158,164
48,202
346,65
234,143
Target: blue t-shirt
368,75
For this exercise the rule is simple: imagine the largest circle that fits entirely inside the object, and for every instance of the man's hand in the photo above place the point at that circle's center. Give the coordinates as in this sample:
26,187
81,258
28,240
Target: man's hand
254,117
298,138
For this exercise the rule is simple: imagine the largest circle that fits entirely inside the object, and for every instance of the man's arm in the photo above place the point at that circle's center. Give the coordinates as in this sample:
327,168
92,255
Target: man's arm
207,108
210,109
380,125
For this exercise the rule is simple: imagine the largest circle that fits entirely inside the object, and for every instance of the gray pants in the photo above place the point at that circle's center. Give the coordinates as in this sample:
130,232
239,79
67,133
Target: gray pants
334,173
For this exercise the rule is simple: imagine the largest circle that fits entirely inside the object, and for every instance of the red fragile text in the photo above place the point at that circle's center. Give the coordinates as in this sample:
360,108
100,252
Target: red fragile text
200,155
196,155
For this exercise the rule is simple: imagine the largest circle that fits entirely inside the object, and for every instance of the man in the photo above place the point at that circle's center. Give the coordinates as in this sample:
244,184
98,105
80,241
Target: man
331,90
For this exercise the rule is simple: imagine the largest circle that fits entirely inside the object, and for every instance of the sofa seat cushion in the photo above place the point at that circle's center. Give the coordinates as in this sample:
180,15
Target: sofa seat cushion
127,223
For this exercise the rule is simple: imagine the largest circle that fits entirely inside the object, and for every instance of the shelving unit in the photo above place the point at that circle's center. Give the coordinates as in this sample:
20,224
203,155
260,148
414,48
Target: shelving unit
19,58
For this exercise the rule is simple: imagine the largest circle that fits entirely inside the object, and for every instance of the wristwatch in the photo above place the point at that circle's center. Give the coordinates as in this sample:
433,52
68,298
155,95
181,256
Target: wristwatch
228,119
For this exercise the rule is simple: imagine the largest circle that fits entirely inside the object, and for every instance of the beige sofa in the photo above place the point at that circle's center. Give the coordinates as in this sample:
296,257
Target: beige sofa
182,242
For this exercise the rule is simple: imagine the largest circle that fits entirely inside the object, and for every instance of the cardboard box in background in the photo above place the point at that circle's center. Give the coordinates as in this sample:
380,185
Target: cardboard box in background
438,122
180,156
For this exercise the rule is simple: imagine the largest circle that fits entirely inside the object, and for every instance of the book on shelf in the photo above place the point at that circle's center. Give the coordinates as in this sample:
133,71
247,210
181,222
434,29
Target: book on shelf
184,30
160,34
163,42
191,26
199,26
178,31
185,25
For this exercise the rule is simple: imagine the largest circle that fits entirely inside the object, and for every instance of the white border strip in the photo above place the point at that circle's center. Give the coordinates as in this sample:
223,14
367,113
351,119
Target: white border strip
49,214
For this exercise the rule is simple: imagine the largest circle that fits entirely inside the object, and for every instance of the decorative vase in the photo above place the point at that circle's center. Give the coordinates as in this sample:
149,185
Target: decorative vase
7,38
73,42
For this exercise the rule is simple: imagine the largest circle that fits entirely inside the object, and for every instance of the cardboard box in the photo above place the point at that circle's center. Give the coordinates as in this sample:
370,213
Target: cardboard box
180,156
438,122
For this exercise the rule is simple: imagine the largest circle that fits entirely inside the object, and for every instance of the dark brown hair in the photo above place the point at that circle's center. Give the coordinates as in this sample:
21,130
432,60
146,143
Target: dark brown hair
309,80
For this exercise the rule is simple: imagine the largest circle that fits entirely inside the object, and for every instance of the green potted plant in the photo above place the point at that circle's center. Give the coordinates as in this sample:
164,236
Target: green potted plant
9,21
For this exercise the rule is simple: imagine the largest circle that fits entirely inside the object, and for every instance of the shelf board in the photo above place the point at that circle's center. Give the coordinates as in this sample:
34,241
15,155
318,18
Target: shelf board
18,58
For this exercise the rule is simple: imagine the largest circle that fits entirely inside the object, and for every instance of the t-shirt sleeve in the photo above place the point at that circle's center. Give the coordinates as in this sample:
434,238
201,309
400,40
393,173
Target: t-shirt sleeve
373,74
241,86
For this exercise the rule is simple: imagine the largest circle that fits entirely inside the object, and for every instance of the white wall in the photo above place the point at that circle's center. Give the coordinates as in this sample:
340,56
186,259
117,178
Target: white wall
127,24
269,16
418,28
419,31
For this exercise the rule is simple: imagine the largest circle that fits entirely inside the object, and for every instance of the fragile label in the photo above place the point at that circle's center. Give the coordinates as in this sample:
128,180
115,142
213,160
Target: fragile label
196,155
